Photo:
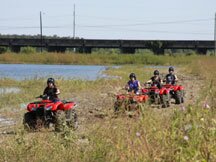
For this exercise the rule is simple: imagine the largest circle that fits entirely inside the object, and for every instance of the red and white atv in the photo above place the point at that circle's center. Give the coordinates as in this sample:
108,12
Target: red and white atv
157,96
45,113
176,92
129,101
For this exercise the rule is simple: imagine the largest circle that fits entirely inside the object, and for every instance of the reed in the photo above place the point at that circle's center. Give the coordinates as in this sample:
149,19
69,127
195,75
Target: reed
95,58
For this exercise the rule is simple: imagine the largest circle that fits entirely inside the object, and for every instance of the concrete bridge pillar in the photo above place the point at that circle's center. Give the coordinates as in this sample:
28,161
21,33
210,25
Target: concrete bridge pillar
158,51
202,51
128,50
15,49
85,50
56,49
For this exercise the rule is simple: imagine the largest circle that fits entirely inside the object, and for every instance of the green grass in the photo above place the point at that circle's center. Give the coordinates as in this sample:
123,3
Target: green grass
96,58
173,134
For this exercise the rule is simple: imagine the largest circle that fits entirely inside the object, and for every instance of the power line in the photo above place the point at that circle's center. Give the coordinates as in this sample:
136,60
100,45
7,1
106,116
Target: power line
113,30
154,31
41,32
117,25
152,23
74,23
18,18
98,17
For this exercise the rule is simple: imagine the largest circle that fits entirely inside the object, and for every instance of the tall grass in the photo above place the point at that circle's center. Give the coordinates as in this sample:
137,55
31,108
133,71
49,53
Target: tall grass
183,133
95,58
205,68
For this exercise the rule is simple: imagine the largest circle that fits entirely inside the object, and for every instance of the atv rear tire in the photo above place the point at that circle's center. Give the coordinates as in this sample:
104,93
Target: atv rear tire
116,106
39,123
182,96
178,97
157,99
60,121
165,101
71,118
29,121
182,100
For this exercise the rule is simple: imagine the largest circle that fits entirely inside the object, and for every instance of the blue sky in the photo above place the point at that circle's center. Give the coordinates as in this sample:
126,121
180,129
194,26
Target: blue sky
113,19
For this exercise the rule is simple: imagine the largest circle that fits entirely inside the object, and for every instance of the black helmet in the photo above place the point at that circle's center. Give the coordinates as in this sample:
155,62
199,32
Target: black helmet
132,75
156,72
50,80
171,68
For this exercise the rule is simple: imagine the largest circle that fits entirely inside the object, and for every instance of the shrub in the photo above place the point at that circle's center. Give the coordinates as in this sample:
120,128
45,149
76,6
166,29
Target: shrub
28,50
3,50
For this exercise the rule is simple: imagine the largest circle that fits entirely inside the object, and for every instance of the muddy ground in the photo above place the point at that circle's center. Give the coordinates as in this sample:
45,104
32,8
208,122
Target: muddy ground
96,107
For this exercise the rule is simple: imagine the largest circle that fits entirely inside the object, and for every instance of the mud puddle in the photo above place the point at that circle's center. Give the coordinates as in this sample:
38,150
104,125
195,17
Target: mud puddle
6,90
6,122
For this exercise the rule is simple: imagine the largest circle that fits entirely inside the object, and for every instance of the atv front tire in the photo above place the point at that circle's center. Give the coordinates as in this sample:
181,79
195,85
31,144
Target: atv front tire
60,121
29,121
165,101
182,96
178,97
71,118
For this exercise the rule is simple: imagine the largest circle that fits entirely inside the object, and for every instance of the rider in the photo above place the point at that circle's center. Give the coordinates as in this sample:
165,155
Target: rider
51,90
171,78
155,80
133,84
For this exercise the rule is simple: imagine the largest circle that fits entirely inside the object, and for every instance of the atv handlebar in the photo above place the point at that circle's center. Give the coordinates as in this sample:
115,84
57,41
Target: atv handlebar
147,84
43,97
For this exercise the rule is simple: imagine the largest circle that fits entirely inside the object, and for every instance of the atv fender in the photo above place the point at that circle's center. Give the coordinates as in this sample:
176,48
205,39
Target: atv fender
180,88
163,91
58,106
69,105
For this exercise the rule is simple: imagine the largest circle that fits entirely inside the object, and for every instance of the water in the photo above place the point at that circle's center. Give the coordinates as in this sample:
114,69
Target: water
31,71
157,66
6,121
5,90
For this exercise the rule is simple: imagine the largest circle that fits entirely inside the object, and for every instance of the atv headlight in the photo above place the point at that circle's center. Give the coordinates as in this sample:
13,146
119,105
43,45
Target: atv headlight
48,108
34,109
75,105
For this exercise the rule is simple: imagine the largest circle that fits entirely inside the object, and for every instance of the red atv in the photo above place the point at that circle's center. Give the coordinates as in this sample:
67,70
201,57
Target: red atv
158,96
129,102
46,113
176,92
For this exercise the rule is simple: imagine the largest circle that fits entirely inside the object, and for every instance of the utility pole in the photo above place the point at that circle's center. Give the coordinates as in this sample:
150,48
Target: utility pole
41,32
74,22
215,36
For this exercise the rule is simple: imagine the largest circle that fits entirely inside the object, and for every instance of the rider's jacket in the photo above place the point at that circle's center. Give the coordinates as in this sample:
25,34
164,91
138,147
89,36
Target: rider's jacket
51,93
133,86
156,81
170,79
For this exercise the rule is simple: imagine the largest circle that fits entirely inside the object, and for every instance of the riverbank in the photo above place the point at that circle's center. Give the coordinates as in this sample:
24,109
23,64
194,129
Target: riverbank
96,59
180,133
37,71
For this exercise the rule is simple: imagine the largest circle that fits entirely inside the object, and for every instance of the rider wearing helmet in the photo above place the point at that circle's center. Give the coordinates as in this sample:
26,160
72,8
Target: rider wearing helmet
133,85
51,90
171,78
155,80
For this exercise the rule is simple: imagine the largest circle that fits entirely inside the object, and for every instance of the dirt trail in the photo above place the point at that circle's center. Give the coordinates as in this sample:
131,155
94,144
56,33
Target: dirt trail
97,106
193,85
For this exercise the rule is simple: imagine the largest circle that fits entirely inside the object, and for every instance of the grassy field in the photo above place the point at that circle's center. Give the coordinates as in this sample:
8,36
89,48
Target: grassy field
95,58
181,133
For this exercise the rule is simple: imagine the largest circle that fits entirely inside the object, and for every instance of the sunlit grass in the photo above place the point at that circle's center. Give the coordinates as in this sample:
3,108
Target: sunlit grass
95,58
175,134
